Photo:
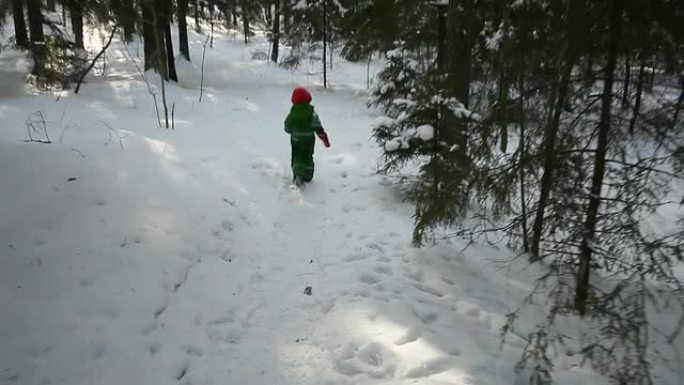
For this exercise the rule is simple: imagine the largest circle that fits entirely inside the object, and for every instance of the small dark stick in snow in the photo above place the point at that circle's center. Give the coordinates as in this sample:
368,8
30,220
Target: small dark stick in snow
308,290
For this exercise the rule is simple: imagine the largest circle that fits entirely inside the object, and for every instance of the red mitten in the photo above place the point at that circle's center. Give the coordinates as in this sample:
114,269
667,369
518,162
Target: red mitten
323,136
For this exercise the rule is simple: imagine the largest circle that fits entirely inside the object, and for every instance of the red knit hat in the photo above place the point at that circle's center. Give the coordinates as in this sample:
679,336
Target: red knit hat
300,96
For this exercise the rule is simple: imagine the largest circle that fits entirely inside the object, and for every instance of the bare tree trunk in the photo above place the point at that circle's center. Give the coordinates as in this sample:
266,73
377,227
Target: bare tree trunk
149,35
183,45
286,17
211,22
35,17
325,44
589,237
195,3
128,17
19,24
557,100
170,59
276,32
625,88
268,14
459,52
245,20
76,15
521,167
639,91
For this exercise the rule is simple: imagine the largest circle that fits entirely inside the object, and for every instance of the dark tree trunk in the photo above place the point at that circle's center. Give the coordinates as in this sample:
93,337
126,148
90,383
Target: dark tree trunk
459,69
441,36
276,32
126,15
51,5
19,24
268,15
171,61
639,92
149,36
195,3
627,81
286,17
35,17
557,99
183,29
245,20
76,15
589,238
521,166
325,44
160,23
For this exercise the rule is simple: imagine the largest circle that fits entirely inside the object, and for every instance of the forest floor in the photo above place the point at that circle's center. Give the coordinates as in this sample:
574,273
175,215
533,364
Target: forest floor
133,254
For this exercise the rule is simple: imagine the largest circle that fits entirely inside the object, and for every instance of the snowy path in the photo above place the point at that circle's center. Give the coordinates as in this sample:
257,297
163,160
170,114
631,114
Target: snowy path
137,255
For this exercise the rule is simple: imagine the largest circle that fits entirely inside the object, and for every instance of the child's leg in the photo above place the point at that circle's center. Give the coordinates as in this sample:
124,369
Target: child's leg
302,158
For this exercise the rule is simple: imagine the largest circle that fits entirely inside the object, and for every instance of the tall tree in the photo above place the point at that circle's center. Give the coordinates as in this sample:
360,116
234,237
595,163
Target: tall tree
166,25
149,34
19,24
125,12
76,16
183,29
35,17
245,9
589,237
276,31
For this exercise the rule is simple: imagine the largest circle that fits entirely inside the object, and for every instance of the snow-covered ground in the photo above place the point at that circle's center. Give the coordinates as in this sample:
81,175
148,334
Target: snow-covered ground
132,254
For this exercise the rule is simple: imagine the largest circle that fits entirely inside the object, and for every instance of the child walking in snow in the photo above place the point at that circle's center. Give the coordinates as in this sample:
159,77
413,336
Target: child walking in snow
302,123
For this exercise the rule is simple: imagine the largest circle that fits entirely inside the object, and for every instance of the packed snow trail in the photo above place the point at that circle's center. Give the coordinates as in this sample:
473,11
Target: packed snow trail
138,255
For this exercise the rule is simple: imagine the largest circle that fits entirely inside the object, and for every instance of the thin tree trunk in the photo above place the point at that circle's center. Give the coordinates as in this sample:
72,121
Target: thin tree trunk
268,14
557,100
245,20
128,16
162,63
625,88
459,69
171,61
51,5
276,32
198,29
680,103
35,18
149,35
76,16
286,17
211,22
325,44
503,111
19,24
521,167
589,238
639,91
183,45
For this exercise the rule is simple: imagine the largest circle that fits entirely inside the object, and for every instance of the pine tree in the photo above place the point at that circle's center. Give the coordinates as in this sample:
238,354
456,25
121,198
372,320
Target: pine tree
19,24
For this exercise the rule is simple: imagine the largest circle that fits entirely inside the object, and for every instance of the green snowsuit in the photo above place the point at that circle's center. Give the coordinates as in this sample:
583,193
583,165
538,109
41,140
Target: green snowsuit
302,123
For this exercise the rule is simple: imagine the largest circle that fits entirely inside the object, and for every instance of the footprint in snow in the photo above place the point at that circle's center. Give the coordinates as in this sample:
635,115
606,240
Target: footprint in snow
369,279
432,367
411,335
372,359
428,290
375,246
384,270
192,350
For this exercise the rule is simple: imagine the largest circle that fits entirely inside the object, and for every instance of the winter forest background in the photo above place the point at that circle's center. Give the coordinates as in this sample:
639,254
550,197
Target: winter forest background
549,133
